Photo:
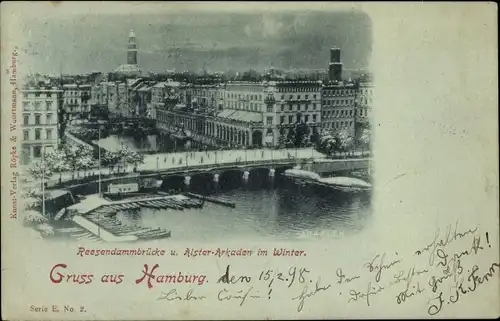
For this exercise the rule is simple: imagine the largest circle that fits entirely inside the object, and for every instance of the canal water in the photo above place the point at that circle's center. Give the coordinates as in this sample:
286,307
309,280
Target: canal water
274,209
266,208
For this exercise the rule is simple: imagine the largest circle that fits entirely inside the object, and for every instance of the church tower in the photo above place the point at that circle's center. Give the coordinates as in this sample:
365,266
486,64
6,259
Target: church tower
131,49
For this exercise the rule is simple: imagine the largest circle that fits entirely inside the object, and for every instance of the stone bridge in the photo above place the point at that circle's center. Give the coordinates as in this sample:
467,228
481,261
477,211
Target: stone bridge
216,172
270,166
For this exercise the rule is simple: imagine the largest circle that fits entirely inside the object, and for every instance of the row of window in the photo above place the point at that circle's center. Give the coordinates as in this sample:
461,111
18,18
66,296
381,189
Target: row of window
38,95
71,93
38,119
38,105
296,118
366,101
337,92
290,97
297,89
338,113
37,150
71,101
244,96
365,91
77,109
244,106
297,107
38,134
338,124
339,102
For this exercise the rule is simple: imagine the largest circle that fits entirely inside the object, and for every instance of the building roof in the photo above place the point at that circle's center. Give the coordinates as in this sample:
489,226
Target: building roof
241,115
164,84
132,82
144,87
128,69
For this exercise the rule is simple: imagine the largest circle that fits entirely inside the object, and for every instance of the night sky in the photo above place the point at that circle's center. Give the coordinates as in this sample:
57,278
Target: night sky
218,41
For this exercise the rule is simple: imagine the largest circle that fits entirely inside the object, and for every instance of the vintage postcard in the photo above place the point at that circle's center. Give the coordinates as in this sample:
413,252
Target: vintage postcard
249,160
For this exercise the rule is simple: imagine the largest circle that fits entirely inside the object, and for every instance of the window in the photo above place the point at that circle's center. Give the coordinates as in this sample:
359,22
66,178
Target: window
37,94
306,118
25,104
269,109
306,106
307,96
49,119
314,118
298,118
37,105
26,120
282,107
298,97
290,97
269,120
48,105
314,96
290,119
25,95
290,107
37,134
37,119
37,151
49,133
282,97
314,106
26,134
282,119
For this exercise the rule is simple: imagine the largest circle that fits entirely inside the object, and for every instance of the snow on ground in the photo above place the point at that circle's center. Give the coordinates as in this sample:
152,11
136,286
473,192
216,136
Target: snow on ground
299,173
344,181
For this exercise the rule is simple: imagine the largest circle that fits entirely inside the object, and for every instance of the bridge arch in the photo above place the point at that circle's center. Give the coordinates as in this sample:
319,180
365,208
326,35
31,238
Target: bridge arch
172,182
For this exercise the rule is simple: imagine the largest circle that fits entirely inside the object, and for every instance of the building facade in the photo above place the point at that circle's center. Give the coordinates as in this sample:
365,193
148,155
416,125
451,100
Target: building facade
76,101
40,118
293,103
364,101
339,108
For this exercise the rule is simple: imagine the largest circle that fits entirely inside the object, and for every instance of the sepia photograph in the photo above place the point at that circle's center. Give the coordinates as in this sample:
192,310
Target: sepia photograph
197,126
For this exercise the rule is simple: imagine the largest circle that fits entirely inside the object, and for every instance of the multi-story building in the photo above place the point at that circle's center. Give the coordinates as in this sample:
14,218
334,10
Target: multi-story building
112,97
143,100
205,97
241,120
40,118
364,100
296,102
76,100
164,96
338,107
259,113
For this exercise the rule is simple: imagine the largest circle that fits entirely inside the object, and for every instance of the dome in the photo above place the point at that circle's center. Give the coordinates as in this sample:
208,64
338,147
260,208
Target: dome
128,69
